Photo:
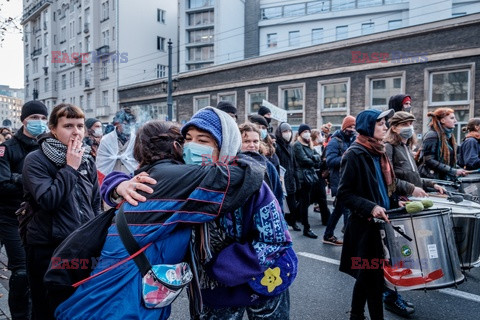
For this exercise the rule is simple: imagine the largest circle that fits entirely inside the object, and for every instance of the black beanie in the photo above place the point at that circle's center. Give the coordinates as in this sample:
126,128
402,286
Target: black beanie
33,107
255,118
227,107
303,127
90,122
263,111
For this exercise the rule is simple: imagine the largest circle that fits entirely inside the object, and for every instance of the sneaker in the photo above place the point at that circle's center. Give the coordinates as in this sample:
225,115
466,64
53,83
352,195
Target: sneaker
295,227
333,241
309,233
399,307
408,303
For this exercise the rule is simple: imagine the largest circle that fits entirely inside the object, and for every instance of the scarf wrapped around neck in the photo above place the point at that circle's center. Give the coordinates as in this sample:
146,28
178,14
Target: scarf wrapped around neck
473,134
56,152
377,148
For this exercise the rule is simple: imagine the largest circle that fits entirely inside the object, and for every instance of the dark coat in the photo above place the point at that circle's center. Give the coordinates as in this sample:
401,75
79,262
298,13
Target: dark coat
12,156
305,158
358,191
405,169
284,151
334,152
62,198
469,155
433,166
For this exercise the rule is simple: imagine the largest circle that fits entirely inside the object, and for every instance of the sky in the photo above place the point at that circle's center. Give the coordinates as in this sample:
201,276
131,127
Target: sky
11,50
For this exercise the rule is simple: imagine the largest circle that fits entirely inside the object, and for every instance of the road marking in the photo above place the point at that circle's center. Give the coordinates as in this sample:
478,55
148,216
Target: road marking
449,291
320,258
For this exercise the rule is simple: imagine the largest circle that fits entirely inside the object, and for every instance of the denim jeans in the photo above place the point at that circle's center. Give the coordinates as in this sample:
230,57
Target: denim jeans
19,293
276,308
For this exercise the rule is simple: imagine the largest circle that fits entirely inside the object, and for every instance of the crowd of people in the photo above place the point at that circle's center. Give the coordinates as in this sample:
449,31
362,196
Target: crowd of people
215,193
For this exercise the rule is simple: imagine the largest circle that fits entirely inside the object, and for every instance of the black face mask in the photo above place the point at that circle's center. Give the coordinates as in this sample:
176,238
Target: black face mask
268,120
349,133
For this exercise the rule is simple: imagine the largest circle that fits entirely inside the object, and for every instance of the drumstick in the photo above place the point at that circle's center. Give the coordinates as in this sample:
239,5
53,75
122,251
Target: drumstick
472,171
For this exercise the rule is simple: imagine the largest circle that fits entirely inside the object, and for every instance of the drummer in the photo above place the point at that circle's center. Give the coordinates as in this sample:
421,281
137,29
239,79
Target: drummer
398,144
439,148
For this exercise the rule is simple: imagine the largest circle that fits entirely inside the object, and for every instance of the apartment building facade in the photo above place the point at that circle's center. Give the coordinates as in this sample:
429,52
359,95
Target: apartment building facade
11,102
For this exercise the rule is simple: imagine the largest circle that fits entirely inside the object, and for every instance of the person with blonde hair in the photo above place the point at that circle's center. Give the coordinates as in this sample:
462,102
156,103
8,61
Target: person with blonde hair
439,149
469,154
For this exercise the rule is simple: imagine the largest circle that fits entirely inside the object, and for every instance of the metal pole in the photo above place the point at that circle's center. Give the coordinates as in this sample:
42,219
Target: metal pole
170,89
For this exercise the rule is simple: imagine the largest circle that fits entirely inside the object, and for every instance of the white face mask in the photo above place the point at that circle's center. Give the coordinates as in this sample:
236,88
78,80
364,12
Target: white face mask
306,136
98,132
287,135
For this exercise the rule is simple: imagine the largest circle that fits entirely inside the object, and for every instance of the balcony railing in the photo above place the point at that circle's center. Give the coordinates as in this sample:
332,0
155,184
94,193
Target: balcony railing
103,50
36,52
35,8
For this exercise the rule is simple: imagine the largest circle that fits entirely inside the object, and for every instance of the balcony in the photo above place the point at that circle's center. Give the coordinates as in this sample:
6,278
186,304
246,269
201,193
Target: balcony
78,61
36,52
34,9
86,28
103,51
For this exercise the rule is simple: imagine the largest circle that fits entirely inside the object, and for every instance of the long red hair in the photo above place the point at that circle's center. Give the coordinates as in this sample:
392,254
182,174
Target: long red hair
436,125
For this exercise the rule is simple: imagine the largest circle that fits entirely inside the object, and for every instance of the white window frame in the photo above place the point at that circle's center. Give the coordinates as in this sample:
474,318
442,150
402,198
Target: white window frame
456,68
228,93
379,76
248,111
195,98
321,84
293,86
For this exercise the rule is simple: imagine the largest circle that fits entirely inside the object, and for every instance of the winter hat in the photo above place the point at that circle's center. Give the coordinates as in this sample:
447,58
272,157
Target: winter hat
285,127
206,120
90,122
255,118
348,121
303,127
263,111
227,107
406,99
396,102
401,117
33,107
124,116
366,120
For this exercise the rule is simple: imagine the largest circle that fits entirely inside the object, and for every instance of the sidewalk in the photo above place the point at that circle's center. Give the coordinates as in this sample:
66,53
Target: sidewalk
4,273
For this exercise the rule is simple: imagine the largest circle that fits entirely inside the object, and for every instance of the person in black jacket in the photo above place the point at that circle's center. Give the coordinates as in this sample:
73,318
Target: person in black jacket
286,157
469,153
12,156
61,185
306,159
367,186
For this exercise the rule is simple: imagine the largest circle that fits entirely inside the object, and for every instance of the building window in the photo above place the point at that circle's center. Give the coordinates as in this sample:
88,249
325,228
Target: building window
341,33
161,15
105,10
80,102
294,38
318,7
200,36
192,4
292,100
200,102
367,28
47,85
89,101
317,36
161,71
338,5
271,13
80,77
160,43
45,40
228,96
64,81
449,87
294,10
113,95
334,96
271,40
381,89
394,24
255,99
105,98
201,18
106,37
104,70
200,53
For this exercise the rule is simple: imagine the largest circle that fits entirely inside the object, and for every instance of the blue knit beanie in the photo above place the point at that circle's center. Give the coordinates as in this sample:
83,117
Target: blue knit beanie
206,120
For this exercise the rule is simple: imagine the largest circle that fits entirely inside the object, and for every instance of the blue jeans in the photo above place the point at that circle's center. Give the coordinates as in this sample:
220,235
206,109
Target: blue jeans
332,222
276,308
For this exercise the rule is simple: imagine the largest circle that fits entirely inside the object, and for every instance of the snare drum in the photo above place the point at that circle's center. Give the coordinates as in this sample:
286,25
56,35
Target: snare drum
430,261
466,227
470,184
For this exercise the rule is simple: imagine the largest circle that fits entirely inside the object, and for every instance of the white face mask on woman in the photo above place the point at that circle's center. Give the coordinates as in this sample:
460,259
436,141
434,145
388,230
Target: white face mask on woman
306,136
287,135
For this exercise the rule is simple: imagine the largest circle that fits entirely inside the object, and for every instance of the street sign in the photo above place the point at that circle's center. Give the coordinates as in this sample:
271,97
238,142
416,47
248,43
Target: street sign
277,113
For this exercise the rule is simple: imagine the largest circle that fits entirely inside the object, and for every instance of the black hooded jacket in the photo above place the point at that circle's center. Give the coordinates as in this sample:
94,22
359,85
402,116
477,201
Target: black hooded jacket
284,151
12,156
395,102
62,198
